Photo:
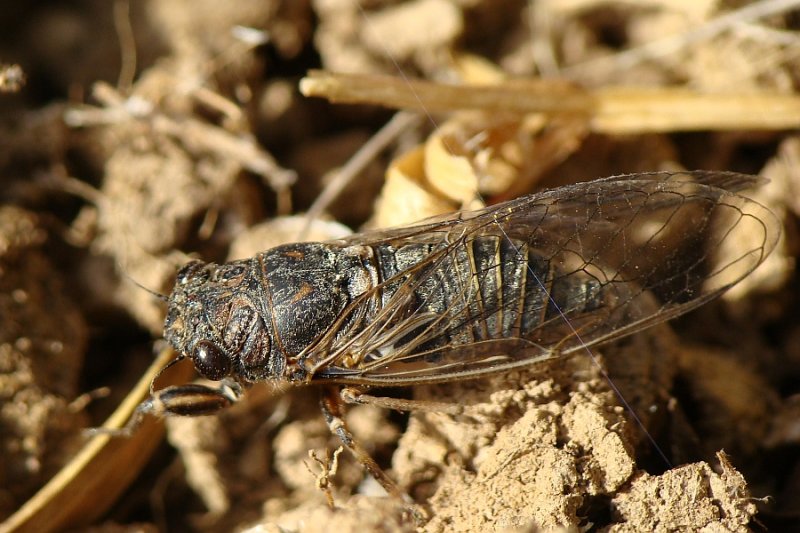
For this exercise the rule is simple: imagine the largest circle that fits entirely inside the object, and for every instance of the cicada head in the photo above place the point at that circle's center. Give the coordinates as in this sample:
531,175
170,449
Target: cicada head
213,318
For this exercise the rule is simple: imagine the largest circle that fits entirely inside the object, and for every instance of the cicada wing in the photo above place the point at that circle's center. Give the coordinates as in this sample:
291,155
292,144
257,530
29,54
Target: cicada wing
527,210
600,260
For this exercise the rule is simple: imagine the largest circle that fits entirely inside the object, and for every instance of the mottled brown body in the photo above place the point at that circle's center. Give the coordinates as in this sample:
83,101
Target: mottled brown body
463,296
474,293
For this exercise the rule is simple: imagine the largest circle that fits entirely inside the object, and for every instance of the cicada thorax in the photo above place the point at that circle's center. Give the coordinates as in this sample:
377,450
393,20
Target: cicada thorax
310,292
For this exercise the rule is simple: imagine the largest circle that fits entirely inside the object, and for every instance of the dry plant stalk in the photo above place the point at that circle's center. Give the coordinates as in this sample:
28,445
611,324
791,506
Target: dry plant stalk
528,96
610,110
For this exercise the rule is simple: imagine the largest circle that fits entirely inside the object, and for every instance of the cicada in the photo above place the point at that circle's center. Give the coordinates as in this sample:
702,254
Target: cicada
467,295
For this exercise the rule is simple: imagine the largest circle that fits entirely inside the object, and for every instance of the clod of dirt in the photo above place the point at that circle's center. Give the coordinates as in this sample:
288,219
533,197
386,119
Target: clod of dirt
537,447
692,497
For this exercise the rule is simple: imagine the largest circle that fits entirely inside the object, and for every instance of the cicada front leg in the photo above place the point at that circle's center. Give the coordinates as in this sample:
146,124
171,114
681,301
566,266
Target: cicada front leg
181,400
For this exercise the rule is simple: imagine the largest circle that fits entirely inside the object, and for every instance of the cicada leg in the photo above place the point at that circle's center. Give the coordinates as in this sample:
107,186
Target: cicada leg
183,400
354,396
333,411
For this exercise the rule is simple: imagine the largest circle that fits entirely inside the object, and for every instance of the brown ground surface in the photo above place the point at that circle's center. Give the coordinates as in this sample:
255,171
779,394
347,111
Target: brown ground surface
148,132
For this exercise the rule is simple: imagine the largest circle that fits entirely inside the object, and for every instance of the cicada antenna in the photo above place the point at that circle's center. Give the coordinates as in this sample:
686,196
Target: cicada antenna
162,297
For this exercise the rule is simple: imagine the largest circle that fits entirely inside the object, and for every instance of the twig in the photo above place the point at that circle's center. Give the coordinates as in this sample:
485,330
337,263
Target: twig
614,110
127,44
195,134
523,97
328,468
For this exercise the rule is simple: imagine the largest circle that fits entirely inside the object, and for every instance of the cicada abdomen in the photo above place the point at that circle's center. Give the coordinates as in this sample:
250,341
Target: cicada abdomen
478,294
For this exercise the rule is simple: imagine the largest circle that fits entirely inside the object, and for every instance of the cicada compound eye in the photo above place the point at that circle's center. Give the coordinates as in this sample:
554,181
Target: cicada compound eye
210,361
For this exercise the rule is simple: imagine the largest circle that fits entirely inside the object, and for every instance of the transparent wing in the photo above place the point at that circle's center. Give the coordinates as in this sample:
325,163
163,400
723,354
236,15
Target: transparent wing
589,263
